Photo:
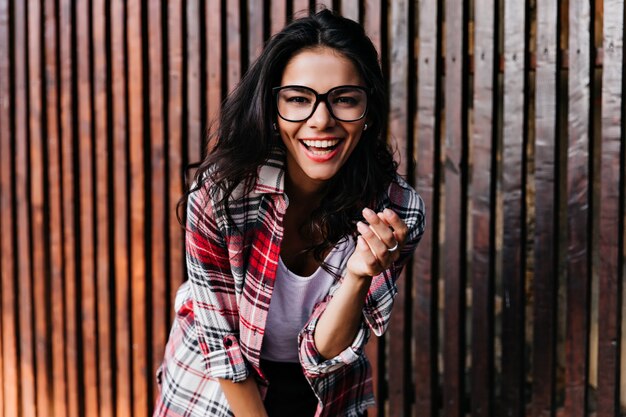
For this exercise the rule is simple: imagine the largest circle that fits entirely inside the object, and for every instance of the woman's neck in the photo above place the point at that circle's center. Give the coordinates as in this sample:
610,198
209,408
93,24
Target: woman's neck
306,193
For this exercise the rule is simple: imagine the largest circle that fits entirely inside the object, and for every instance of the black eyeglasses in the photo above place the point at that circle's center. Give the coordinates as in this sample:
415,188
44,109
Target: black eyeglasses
296,103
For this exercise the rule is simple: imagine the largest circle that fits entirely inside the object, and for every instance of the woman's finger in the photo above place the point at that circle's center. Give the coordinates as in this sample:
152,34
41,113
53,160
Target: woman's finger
400,229
380,228
377,246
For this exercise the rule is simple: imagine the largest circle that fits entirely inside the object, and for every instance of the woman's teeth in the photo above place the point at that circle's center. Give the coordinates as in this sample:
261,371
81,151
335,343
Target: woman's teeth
320,147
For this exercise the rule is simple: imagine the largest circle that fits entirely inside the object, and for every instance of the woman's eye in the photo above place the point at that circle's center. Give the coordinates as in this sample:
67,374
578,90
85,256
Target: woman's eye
297,99
346,100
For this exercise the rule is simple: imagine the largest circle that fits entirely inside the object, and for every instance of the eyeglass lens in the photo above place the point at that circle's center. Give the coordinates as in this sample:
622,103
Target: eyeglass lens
297,103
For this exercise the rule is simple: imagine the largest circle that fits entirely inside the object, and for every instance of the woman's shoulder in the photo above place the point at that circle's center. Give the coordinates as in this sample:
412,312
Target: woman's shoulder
407,203
402,194
209,190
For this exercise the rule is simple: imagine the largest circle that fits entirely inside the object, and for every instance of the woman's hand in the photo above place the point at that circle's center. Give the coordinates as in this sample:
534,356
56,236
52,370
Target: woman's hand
340,322
378,244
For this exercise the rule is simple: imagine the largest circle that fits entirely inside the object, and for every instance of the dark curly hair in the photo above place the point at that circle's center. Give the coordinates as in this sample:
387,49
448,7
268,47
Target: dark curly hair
245,139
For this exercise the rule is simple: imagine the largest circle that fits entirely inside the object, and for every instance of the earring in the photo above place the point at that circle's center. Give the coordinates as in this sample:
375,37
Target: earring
274,127
365,127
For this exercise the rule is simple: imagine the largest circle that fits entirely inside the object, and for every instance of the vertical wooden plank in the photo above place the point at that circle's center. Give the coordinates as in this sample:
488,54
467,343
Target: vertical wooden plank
425,260
57,312
123,386
278,15
481,200
233,36
610,275
453,177
137,208
513,268
324,4
102,198
372,26
86,203
398,136
24,270
372,22
622,262
174,111
194,135
1,358
255,29
545,280
578,214
37,209
158,201
350,9
10,368
300,8
214,57
74,389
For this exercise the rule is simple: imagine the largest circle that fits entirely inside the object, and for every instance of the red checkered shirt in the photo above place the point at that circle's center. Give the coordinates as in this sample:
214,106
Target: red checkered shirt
221,310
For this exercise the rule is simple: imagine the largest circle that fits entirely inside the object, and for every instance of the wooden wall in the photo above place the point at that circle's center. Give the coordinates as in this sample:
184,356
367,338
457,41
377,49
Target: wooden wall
507,116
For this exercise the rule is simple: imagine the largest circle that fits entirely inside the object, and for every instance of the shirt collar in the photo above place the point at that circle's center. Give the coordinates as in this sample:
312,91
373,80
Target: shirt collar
271,175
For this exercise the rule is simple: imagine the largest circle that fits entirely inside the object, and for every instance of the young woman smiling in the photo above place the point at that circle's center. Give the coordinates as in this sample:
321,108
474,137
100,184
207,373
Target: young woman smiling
297,229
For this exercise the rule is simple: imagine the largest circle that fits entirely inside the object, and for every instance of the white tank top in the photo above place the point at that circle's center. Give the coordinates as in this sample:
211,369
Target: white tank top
292,303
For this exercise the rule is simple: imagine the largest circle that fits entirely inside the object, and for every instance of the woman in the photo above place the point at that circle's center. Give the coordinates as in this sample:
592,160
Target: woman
297,228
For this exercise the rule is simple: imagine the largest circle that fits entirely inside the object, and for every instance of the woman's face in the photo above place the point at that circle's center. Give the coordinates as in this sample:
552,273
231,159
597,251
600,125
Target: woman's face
319,146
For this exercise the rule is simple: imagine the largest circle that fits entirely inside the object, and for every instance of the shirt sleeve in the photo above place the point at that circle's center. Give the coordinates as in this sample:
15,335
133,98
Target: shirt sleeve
213,292
380,297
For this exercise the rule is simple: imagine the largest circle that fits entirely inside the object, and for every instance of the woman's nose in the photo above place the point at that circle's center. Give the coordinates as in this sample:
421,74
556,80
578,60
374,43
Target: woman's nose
321,117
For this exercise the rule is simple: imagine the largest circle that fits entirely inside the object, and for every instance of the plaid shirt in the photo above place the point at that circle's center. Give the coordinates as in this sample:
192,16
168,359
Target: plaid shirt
222,309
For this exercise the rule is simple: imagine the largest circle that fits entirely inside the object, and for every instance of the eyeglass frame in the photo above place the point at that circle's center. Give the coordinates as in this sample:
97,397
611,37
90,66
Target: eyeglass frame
322,97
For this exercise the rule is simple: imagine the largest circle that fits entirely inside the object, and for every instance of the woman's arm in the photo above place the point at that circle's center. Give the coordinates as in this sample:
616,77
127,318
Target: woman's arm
243,397
212,288
339,324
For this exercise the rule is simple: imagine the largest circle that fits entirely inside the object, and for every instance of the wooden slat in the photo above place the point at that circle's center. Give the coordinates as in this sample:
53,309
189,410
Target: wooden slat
194,110
103,216
350,9
57,313
278,15
123,390
160,321
37,209
24,266
137,208
255,29
68,192
214,57
300,8
513,268
174,107
86,203
397,371
610,274
233,36
323,4
454,287
578,202
1,358
481,200
371,22
545,280
425,260
10,363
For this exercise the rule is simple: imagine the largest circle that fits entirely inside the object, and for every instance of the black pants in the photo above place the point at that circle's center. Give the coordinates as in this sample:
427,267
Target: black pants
289,393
